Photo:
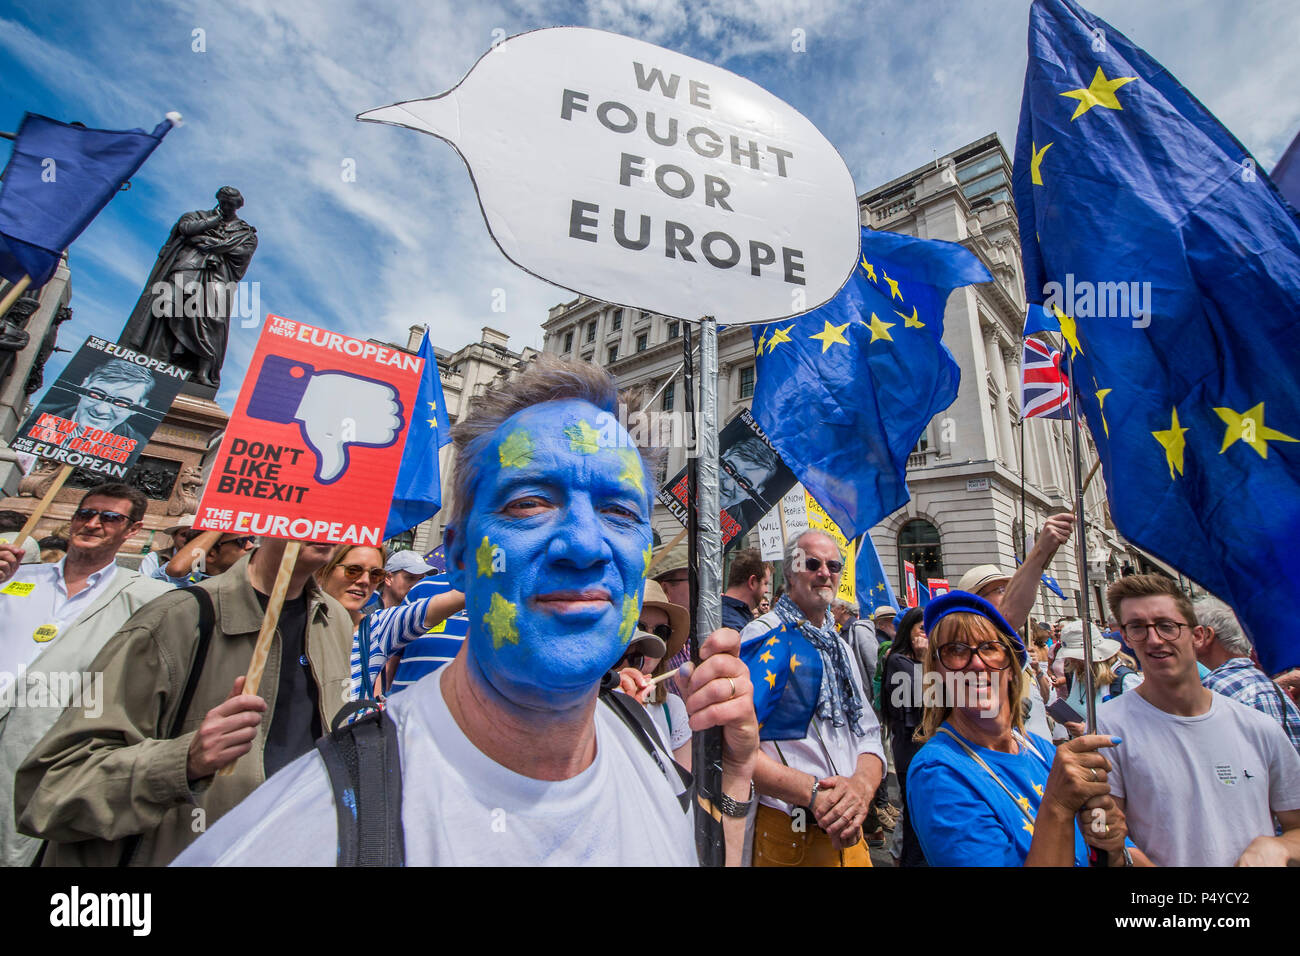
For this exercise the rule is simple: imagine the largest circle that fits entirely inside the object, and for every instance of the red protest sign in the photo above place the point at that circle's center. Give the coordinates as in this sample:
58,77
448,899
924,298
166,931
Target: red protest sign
938,586
909,581
313,448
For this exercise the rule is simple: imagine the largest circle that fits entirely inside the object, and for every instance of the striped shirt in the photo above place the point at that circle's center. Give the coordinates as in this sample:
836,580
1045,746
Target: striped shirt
1245,683
442,642
390,630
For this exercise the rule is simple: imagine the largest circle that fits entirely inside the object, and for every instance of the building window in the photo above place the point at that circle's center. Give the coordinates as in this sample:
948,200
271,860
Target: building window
616,319
568,342
669,396
747,382
589,356
613,354
918,542
642,342
672,330
591,331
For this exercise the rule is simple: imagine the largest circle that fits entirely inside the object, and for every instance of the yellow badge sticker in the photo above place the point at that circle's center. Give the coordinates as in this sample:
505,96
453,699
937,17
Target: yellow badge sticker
44,633
19,588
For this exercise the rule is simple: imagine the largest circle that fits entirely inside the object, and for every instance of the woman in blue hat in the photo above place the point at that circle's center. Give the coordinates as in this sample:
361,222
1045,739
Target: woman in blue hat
982,792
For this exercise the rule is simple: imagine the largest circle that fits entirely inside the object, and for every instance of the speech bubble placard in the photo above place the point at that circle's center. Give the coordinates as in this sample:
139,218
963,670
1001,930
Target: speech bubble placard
314,445
642,177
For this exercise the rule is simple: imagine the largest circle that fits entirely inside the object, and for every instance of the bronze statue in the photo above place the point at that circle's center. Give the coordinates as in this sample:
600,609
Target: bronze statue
183,314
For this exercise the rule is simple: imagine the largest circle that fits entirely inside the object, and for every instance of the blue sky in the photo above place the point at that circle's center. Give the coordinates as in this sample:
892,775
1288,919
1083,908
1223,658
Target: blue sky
269,107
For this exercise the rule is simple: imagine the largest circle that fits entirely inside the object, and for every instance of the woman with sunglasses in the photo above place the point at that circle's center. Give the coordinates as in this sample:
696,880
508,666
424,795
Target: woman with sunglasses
982,792
663,628
350,577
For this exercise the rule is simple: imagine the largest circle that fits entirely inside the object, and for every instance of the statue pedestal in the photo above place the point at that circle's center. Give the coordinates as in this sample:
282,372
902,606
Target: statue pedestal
169,472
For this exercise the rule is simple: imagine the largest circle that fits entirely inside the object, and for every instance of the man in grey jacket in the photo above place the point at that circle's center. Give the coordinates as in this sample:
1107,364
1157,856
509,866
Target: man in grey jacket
55,619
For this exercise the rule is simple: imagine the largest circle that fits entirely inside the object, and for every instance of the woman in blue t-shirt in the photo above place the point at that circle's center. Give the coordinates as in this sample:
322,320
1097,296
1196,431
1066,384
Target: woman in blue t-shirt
980,791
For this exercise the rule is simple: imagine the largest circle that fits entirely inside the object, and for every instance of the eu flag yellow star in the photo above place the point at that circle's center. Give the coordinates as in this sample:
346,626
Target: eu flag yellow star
869,269
879,329
893,288
1100,92
771,680
633,473
779,336
1174,444
771,641
831,335
500,622
1024,803
1037,789
1069,329
1036,163
794,662
766,657
1101,404
1249,427
910,321
762,340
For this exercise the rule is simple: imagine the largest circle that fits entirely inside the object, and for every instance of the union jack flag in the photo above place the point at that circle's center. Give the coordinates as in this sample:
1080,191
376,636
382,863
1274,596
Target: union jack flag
1045,390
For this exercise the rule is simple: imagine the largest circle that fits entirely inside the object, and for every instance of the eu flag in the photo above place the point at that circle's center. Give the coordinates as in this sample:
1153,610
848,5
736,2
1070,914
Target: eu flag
58,179
844,391
872,583
786,671
417,495
1172,266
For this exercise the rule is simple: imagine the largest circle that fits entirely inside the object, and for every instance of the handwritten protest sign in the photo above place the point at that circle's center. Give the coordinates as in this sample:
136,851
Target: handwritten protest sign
640,176
315,441
102,410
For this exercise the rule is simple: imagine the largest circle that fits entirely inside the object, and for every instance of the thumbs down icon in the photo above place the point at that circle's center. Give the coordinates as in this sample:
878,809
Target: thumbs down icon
334,410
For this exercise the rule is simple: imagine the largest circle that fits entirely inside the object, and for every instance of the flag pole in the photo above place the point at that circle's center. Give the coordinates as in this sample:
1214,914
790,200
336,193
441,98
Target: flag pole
11,296
704,531
1082,550
1024,530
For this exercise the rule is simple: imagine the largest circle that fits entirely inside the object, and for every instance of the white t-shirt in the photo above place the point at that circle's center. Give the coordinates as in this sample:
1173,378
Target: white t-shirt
460,808
827,750
1197,790
672,720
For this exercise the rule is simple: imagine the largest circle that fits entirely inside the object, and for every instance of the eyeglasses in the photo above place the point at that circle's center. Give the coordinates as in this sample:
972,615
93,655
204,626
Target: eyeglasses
1137,633
105,517
994,654
117,401
661,631
243,543
354,571
815,564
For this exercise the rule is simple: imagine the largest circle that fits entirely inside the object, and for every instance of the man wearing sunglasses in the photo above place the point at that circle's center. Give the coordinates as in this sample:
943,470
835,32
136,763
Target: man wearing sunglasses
107,399
814,793
54,619
1200,776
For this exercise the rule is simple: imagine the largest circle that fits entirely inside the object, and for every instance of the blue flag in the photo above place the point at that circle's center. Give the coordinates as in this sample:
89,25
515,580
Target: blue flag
845,391
786,671
872,583
1049,582
417,496
58,179
1172,266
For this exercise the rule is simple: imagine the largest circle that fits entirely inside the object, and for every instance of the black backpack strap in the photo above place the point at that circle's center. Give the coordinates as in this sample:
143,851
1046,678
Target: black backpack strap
207,620
365,770
638,721
1117,685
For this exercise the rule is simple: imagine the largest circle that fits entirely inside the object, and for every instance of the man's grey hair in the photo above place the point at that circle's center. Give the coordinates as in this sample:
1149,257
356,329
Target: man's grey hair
546,379
116,371
1213,613
794,550
841,605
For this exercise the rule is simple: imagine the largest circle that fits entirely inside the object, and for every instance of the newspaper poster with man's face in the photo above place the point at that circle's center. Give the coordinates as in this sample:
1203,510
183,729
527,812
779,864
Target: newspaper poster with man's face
102,410
752,479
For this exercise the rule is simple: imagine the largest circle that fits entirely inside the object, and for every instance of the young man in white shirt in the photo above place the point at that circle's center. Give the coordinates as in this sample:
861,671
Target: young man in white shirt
1199,776
508,757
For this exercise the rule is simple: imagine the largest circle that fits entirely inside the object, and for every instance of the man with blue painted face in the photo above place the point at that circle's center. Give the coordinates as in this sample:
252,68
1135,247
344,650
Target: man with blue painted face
508,754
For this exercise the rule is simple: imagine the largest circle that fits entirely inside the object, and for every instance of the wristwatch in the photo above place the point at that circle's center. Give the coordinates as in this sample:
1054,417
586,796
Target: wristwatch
731,808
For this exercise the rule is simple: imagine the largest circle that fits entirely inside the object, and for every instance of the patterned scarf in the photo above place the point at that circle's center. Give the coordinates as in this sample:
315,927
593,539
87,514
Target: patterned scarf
838,700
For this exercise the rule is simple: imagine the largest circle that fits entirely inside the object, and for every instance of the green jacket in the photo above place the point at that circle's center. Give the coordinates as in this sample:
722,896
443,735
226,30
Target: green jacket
91,783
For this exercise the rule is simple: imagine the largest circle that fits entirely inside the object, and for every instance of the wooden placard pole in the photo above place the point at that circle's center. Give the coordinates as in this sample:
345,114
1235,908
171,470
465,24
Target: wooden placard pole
14,292
34,519
664,552
262,649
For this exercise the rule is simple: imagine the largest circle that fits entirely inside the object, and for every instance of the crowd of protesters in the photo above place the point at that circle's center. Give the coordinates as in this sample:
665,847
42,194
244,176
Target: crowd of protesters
957,733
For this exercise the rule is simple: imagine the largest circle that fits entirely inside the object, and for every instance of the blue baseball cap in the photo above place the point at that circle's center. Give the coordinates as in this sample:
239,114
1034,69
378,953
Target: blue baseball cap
963,602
